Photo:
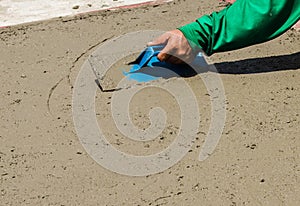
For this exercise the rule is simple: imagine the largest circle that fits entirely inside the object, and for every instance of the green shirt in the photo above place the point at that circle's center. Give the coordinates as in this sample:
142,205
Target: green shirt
244,23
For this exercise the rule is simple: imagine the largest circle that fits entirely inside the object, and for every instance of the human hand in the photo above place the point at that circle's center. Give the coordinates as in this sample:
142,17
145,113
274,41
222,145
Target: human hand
177,49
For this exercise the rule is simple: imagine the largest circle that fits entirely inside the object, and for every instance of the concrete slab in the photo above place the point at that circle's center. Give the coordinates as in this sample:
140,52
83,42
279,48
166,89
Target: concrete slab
13,12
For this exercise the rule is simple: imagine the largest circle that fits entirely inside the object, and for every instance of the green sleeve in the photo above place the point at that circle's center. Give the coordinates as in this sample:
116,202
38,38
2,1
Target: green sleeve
245,23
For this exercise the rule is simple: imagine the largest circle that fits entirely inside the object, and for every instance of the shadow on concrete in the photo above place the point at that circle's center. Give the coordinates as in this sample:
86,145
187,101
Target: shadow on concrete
245,66
260,65
200,66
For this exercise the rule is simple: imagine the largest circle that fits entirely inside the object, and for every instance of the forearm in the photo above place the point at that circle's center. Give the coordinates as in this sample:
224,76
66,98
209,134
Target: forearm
245,23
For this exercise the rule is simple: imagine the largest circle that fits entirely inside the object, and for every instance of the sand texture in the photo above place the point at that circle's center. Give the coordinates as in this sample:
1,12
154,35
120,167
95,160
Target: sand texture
42,161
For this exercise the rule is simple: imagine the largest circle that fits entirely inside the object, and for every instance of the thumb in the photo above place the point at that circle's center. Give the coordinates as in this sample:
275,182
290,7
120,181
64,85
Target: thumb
163,39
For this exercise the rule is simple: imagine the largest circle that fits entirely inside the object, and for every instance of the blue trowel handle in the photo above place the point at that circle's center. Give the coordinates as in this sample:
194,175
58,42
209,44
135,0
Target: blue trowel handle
157,48
147,54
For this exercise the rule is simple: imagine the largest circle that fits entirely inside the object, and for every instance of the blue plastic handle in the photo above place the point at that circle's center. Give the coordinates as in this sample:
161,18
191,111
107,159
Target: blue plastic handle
146,55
